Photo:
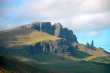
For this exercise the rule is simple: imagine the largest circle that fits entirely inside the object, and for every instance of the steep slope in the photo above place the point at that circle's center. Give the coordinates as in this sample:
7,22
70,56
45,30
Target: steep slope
55,39
93,52
22,36
70,43
54,49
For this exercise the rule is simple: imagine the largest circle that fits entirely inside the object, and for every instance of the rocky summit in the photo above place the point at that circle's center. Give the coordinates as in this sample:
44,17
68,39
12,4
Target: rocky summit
68,38
57,30
43,47
45,37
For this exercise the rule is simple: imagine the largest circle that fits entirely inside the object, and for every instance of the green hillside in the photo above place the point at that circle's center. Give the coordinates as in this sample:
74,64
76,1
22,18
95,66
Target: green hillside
23,36
103,59
15,58
11,65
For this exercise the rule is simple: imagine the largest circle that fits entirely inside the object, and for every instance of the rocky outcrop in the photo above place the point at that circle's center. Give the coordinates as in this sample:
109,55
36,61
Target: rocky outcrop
43,27
57,30
68,38
64,33
90,45
28,41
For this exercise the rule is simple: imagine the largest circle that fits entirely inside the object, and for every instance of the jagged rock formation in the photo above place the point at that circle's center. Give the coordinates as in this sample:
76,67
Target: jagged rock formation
26,35
67,44
68,38
64,33
57,29
43,27
43,37
90,45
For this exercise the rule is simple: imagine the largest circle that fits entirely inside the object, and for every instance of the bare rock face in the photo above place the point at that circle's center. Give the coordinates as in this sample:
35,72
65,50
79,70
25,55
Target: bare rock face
64,33
57,27
43,27
57,30
68,38
51,46
67,41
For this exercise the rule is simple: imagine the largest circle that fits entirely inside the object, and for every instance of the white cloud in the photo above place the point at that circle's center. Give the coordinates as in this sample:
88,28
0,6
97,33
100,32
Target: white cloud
94,6
89,22
93,34
80,15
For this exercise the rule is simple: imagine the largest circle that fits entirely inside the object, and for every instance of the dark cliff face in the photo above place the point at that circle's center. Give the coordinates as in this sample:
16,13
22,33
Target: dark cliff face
43,27
68,40
57,30
65,33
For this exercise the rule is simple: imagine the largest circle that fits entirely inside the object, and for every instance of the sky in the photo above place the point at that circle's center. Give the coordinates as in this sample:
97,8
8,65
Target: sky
89,19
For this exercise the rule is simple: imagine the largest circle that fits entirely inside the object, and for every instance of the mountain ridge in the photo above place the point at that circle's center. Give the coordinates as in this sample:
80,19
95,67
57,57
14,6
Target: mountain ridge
43,37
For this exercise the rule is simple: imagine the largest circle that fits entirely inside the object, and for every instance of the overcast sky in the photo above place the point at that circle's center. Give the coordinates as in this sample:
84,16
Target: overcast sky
88,18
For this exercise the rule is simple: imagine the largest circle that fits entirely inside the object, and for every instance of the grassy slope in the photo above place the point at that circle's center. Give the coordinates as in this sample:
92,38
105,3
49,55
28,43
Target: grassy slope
61,66
103,59
24,36
93,52
50,63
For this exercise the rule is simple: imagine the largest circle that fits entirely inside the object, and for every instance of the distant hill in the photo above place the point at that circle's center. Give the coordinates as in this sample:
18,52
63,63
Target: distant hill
43,37
41,47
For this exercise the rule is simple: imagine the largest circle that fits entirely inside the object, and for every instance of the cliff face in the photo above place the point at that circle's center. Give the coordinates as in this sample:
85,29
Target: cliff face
57,30
43,27
65,33
68,38
38,37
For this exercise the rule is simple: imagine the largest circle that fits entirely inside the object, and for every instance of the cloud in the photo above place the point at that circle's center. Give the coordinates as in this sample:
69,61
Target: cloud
89,22
93,34
68,8
80,15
